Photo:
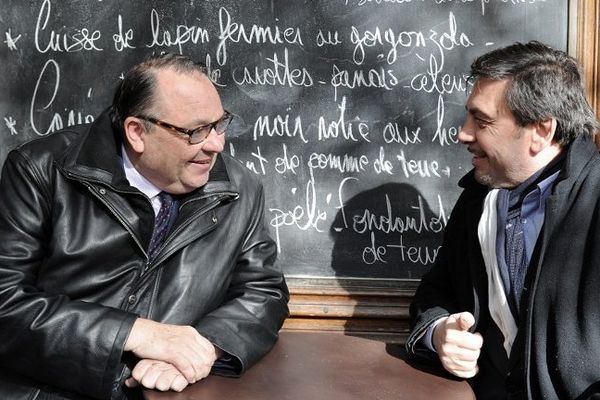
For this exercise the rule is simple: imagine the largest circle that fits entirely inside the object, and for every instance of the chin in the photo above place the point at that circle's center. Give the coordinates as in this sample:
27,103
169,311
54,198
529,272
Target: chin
183,187
484,179
198,182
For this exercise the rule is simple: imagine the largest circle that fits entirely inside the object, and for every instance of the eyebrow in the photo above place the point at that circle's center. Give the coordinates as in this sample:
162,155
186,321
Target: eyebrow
477,113
199,124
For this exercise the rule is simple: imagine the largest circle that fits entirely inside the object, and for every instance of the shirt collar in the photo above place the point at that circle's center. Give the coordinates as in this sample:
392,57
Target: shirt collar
536,198
536,186
136,179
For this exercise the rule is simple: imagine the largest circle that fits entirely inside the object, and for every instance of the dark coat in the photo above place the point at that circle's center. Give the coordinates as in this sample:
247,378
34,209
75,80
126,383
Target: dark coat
556,354
75,274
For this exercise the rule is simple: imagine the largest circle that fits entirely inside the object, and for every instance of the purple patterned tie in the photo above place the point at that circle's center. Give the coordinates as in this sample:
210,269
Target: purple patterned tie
163,222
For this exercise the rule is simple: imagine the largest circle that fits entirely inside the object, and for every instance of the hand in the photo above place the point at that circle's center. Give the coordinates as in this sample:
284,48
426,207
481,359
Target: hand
159,375
458,348
181,346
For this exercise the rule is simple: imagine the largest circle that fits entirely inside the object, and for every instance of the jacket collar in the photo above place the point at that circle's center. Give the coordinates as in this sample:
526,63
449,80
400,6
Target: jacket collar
579,153
96,156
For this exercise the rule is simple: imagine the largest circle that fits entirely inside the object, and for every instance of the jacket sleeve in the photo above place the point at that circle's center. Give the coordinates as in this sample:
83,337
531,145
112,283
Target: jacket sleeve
72,345
444,288
246,325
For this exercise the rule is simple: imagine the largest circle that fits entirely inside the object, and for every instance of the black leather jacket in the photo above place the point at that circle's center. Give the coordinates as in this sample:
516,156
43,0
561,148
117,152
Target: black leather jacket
74,273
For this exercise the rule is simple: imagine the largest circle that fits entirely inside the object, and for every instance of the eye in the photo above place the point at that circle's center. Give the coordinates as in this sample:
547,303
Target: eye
481,123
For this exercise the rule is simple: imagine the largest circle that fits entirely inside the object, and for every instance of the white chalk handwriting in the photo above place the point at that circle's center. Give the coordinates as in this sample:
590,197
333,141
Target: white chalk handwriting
389,38
333,98
79,40
304,218
329,38
278,126
343,129
287,162
277,73
182,35
342,163
234,32
121,39
11,41
444,136
390,222
51,72
10,124
373,78
394,133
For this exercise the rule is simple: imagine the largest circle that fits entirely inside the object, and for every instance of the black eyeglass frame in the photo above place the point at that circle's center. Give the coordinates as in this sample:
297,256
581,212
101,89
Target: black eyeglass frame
225,120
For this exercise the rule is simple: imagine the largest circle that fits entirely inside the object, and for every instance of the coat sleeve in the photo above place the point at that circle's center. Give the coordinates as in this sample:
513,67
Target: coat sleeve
447,288
72,345
246,325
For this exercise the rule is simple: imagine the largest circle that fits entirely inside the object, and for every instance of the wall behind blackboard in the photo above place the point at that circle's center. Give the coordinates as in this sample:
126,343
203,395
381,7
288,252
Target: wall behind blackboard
349,110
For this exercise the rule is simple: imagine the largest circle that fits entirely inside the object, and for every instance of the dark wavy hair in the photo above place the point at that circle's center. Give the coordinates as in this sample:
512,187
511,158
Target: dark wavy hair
543,83
134,94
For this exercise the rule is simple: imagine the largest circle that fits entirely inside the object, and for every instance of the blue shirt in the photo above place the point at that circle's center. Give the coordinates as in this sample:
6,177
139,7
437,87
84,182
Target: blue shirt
521,212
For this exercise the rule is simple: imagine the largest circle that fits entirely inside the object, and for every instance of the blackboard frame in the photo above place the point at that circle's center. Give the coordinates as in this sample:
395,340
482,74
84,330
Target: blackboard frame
378,308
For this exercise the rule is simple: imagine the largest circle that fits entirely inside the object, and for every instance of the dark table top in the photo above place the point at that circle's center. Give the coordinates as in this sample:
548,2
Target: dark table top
322,366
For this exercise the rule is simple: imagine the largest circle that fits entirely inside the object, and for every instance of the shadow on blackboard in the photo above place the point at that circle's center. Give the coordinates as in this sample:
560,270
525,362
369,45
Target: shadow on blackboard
386,232
382,236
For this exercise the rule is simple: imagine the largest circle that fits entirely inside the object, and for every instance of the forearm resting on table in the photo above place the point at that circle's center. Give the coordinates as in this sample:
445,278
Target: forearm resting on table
169,350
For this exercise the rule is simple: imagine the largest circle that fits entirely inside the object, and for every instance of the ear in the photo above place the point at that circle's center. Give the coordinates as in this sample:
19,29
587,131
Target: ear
543,134
135,134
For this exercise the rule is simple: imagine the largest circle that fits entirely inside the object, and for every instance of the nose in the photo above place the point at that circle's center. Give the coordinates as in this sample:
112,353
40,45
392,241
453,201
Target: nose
467,132
214,142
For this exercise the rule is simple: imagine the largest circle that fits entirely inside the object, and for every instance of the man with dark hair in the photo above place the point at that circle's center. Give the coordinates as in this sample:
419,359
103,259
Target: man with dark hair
133,253
512,301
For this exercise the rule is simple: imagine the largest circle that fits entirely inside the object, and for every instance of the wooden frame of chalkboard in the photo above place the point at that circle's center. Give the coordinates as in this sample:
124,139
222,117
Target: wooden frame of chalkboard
348,110
379,308
586,45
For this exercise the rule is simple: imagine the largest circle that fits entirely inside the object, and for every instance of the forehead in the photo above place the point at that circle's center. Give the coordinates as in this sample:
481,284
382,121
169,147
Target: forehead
185,95
488,97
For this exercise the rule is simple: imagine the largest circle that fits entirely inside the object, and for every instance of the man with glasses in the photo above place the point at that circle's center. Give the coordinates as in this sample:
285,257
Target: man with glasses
133,253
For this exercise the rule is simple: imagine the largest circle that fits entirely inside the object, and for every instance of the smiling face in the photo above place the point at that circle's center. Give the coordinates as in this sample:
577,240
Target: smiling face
164,157
501,149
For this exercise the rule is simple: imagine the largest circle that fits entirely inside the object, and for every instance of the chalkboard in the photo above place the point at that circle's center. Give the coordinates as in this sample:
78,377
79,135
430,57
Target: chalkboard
348,110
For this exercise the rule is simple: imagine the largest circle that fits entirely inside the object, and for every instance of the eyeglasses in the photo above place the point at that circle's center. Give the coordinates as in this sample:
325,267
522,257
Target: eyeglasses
196,135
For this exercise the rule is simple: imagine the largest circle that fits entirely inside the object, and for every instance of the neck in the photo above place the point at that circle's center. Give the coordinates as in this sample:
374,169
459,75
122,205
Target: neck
541,160
546,156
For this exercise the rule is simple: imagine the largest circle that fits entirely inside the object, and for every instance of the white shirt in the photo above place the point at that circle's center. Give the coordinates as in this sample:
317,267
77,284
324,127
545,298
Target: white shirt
139,182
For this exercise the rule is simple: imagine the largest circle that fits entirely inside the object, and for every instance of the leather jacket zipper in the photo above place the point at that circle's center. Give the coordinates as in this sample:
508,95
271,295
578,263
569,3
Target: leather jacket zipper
220,196
99,195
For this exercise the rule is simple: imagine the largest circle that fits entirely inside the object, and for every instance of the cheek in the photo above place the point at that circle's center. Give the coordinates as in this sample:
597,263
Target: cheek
170,155
162,159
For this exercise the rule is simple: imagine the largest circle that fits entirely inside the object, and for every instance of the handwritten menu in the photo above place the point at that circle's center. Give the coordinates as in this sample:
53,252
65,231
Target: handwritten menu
348,110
